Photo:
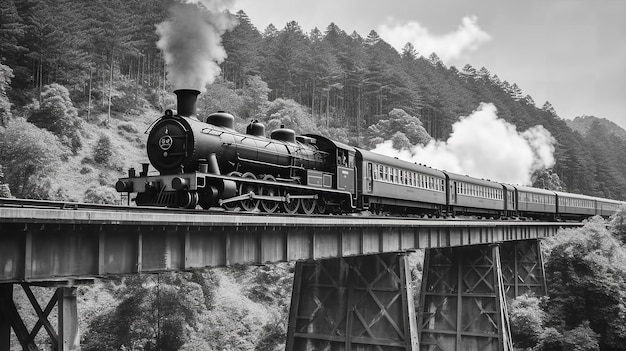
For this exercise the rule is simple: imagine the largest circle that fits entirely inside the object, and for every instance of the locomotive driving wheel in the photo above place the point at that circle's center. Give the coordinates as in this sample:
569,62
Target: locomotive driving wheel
249,205
269,206
308,206
233,206
291,206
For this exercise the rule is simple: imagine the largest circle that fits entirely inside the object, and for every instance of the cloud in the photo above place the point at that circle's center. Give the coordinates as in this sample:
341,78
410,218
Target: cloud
467,37
483,146
191,42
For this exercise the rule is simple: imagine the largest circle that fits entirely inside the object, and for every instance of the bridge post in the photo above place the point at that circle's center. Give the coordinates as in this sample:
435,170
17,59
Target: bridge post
6,295
523,269
353,303
462,301
69,337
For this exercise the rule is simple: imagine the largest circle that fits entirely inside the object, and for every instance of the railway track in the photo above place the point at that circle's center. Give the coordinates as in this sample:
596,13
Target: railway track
73,206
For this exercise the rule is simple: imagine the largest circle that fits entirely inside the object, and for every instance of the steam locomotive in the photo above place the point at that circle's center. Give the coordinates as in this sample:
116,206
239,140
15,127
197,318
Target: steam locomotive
206,163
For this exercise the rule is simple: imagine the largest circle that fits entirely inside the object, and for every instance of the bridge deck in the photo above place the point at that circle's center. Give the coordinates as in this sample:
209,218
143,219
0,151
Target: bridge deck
45,244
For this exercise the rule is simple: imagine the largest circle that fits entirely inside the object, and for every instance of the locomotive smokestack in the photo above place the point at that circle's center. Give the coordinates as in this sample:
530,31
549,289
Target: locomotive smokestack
186,101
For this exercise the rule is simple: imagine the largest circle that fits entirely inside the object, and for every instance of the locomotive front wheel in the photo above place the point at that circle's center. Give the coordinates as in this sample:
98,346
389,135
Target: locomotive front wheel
249,205
291,206
233,206
267,190
188,200
307,206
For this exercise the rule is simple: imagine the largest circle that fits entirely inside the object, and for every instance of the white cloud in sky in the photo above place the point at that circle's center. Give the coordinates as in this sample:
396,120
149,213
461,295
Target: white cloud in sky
484,146
467,37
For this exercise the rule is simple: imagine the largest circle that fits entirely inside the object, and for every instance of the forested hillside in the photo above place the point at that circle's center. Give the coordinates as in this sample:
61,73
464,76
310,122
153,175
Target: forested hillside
104,54
81,80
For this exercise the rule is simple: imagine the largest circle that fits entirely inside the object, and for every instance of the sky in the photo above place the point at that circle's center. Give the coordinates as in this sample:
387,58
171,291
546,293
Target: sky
571,53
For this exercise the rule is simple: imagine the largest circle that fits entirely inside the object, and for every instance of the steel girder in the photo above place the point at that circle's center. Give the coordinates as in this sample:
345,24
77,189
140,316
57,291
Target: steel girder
462,301
357,303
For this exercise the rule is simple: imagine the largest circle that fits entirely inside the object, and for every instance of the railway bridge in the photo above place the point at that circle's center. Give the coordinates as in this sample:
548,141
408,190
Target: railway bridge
351,285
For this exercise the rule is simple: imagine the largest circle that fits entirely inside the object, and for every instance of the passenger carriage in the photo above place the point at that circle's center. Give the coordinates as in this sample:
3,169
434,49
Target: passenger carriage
575,205
389,182
469,195
535,202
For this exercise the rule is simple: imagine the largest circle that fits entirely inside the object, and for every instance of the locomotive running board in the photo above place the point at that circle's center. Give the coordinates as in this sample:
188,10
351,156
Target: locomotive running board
252,196
292,186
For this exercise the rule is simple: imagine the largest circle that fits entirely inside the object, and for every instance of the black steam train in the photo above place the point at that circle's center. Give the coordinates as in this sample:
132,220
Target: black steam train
207,163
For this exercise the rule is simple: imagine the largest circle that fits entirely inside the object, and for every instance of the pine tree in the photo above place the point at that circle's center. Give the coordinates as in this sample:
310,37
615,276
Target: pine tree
6,73
435,60
547,106
516,92
11,32
242,45
409,52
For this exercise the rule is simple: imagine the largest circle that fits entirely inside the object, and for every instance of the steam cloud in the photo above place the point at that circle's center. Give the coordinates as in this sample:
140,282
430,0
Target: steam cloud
467,37
191,42
483,146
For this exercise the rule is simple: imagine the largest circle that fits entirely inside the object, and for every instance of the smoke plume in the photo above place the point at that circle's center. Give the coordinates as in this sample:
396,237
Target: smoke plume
483,146
191,42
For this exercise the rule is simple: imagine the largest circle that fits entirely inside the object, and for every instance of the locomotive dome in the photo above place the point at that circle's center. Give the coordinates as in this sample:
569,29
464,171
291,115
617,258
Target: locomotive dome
284,134
221,119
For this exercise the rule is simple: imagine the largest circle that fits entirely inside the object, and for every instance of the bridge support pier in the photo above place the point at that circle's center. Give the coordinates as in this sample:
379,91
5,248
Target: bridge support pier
362,302
6,294
462,301
522,268
64,298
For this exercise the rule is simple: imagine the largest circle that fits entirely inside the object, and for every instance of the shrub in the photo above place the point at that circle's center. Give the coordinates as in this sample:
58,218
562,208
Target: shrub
526,319
103,150
101,195
30,156
127,127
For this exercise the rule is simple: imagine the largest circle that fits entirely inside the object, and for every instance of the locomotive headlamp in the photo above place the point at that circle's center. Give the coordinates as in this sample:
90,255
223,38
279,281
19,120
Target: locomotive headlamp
169,113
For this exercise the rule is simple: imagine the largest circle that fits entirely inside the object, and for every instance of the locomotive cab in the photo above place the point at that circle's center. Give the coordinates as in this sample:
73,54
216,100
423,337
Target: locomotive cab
340,165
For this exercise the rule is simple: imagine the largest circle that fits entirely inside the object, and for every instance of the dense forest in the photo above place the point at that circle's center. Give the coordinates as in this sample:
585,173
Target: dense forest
104,54
80,80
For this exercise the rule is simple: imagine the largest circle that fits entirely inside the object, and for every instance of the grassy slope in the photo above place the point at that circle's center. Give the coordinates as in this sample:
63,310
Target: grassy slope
127,137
